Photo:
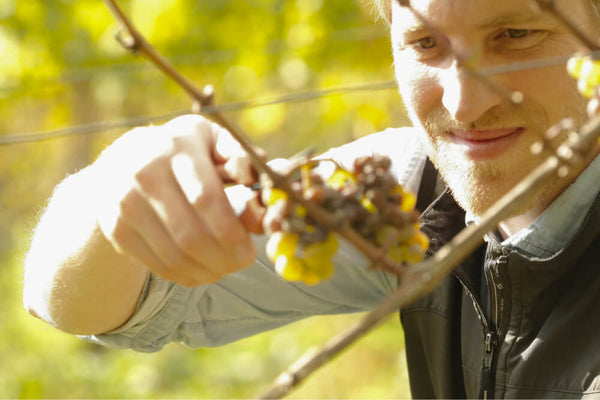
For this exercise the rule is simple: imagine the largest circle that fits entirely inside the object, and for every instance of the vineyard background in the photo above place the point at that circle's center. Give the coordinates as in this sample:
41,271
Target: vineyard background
60,66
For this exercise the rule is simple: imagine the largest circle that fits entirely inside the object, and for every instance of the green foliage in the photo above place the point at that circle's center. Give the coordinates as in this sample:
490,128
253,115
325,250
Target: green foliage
60,66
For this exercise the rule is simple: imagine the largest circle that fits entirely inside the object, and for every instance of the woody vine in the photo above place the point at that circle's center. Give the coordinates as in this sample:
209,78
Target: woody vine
301,205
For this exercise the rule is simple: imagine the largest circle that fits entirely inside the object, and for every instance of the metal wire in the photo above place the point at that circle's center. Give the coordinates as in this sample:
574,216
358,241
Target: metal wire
207,57
94,127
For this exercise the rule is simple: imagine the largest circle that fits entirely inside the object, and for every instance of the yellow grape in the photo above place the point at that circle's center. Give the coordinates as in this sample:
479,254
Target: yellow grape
590,71
326,249
341,178
574,66
271,196
290,268
319,268
400,235
585,88
409,200
413,254
383,235
419,239
587,72
407,253
310,278
396,253
300,211
281,243
368,205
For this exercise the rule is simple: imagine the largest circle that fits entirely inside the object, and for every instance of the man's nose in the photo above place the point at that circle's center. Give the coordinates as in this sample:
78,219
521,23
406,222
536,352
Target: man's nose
465,96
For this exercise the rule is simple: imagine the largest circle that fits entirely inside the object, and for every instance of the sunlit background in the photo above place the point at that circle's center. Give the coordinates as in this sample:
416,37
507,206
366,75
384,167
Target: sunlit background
60,68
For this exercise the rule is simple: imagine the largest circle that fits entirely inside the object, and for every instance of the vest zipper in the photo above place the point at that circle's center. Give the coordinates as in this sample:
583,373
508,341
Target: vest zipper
496,301
490,343
487,377
490,323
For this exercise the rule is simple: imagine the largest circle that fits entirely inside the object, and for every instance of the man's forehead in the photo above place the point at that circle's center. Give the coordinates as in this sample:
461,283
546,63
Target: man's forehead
447,14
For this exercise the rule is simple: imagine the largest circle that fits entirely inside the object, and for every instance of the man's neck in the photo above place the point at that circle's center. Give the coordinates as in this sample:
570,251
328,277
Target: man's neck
510,226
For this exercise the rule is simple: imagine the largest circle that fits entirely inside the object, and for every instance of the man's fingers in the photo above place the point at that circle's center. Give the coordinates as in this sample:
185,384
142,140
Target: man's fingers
170,210
128,241
235,164
157,246
203,189
253,215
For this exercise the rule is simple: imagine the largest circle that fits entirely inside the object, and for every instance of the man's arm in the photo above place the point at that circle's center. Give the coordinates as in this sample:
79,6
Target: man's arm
154,200
74,279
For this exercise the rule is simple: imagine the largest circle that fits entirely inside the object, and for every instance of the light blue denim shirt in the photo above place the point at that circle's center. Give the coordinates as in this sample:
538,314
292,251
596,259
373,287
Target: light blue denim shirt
256,299
547,235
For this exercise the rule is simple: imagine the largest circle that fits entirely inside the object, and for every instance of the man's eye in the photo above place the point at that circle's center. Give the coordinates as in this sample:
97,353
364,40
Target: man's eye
518,39
517,33
428,42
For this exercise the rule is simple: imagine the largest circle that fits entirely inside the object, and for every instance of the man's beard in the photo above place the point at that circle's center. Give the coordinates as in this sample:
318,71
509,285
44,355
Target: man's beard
478,184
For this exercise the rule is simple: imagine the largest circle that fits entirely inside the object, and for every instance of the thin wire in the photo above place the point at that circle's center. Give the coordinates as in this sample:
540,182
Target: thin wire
234,106
241,105
207,57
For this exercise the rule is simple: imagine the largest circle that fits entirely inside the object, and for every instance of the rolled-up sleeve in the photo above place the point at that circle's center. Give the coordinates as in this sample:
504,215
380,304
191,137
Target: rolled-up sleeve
250,301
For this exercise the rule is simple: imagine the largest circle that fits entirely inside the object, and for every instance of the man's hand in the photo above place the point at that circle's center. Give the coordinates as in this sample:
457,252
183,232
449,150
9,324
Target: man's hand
165,204
154,200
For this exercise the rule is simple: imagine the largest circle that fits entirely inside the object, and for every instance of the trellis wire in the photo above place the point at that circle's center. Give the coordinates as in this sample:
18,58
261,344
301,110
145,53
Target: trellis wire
273,47
227,107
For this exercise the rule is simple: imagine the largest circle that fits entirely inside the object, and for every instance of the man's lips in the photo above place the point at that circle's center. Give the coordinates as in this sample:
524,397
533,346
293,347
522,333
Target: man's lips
485,143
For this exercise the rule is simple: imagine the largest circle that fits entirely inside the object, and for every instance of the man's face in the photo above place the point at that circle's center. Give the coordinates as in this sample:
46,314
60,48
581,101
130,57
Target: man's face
476,137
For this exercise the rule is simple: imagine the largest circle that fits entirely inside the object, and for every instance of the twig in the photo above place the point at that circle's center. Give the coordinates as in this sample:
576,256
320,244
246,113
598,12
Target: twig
422,278
550,5
202,98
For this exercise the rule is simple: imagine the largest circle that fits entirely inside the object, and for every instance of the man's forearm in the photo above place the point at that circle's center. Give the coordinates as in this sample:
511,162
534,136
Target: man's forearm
74,279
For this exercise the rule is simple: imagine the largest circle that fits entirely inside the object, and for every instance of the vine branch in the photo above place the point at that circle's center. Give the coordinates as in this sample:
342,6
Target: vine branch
550,5
423,277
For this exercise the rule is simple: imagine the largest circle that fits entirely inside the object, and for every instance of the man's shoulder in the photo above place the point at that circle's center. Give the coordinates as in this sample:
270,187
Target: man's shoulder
393,142
388,138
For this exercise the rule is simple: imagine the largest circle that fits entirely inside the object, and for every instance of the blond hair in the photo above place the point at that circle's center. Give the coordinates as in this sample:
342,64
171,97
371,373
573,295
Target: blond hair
384,9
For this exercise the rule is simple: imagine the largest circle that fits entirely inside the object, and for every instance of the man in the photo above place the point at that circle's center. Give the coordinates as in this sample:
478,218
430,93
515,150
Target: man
517,319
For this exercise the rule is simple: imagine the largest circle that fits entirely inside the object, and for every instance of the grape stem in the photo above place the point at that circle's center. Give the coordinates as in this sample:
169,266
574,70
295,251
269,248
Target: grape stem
590,42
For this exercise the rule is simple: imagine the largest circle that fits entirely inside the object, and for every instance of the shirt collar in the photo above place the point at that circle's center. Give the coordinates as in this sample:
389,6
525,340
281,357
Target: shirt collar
559,223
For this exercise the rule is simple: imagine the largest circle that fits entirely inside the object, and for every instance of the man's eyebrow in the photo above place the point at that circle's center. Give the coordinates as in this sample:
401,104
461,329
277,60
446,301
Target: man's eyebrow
415,29
514,18
495,21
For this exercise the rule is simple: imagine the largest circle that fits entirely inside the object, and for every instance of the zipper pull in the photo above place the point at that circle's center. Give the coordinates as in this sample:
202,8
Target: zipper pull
487,386
491,340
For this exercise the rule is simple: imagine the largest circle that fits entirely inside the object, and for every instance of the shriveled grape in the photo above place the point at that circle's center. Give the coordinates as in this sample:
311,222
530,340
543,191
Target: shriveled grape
367,199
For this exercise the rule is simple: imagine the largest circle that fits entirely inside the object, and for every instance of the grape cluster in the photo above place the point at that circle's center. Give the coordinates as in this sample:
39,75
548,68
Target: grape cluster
368,199
587,72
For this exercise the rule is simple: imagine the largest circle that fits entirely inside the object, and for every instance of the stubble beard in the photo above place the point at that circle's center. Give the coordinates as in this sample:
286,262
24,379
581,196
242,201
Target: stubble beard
478,184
